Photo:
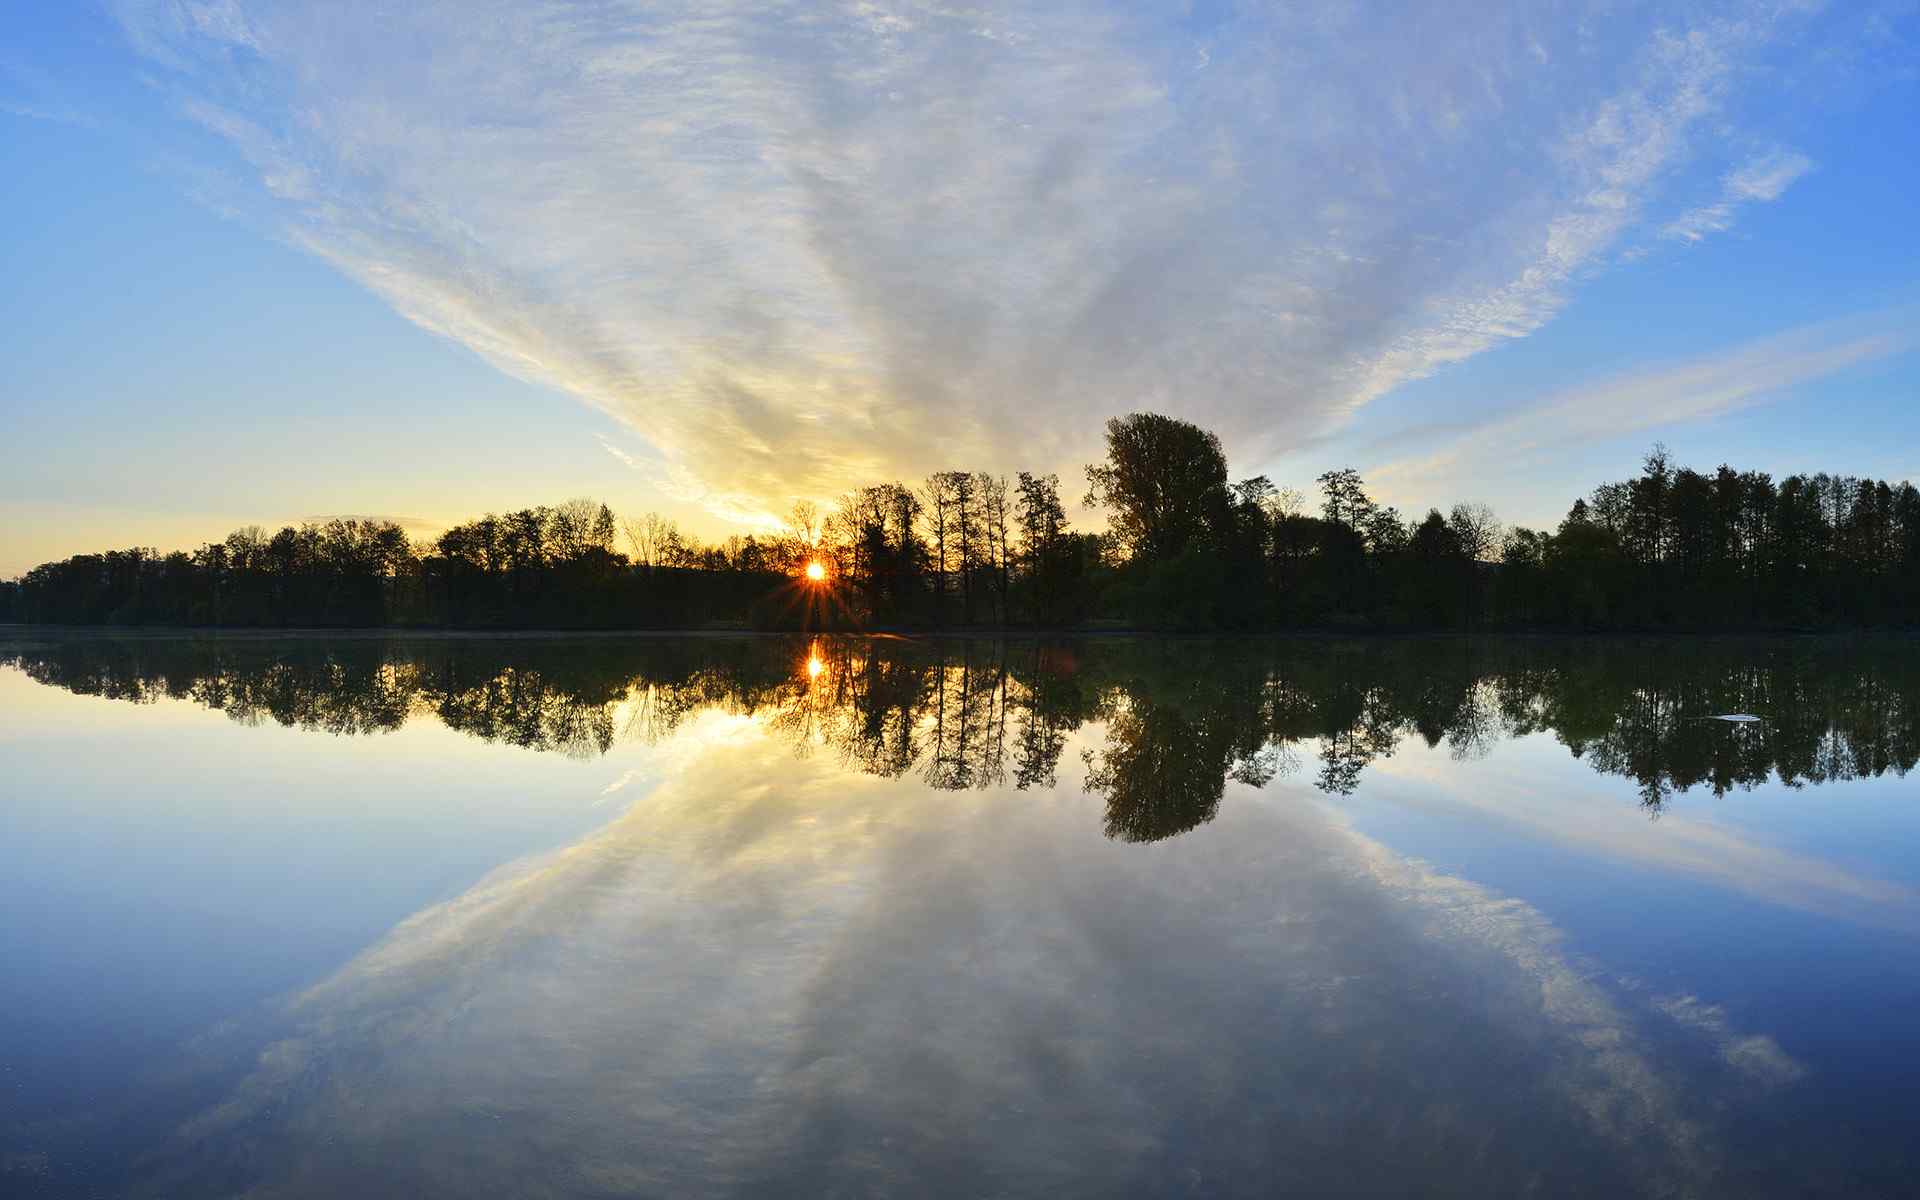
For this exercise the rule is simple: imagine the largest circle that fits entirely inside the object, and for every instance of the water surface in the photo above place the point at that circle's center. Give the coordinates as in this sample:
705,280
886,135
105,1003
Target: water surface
319,916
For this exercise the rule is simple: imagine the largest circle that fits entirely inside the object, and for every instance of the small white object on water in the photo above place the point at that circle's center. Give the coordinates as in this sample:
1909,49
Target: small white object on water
1737,718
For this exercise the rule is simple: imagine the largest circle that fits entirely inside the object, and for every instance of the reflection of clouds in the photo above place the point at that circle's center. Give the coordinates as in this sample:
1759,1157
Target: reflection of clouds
1755,1055
1610,1080
625,778
772,973
1700,850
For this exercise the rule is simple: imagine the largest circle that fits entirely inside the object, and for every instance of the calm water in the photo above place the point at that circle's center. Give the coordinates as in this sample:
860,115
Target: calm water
729,917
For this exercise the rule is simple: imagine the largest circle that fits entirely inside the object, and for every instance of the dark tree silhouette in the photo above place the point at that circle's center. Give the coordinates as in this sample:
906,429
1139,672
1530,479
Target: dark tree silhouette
1670,549
1164,484
1179,721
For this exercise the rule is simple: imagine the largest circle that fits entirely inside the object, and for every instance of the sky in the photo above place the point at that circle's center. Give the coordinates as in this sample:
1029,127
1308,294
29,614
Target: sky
268,260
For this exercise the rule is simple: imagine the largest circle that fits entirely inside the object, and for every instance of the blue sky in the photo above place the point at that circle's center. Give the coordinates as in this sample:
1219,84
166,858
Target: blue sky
272,260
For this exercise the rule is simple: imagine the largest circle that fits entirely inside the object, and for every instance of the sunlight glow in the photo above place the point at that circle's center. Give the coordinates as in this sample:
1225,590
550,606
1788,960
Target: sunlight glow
814,666
816,571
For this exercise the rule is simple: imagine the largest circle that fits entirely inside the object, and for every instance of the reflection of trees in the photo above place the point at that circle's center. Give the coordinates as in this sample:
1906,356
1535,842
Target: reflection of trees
1832,711
1177,720
1181,719
1358,725
1051,707
947,709
969,726
349,688
874,701
1157,775
549,696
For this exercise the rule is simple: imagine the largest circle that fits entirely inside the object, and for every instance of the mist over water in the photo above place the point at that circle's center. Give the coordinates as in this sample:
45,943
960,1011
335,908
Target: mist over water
736,916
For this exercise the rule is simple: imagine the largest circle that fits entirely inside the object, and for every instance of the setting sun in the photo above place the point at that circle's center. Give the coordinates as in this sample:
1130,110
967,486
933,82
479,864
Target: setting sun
814,666
817,571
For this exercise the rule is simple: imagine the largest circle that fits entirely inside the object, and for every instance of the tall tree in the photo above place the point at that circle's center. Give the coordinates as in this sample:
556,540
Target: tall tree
938,507
992,491
1043,522
1346,500
1163,484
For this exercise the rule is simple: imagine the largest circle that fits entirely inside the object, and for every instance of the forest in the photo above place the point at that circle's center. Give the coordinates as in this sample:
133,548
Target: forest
1185,548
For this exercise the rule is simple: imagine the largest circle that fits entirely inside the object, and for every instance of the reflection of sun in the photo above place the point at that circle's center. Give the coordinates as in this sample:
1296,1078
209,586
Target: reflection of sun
816,571
814,666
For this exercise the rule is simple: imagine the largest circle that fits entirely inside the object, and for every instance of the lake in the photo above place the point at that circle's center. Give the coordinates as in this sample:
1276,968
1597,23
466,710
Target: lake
742,916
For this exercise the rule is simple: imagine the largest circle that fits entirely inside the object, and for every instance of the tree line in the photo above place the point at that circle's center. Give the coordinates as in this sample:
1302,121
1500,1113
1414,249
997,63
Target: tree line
1177,721
1185,547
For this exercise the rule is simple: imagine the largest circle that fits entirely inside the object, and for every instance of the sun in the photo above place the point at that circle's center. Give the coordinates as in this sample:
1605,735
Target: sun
817,571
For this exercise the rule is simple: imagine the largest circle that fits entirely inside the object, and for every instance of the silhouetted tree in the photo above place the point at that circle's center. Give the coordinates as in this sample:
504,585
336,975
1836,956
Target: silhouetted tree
1164,484
1672,548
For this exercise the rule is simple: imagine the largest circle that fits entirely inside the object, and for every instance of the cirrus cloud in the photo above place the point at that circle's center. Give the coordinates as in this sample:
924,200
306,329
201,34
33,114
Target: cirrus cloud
800,246
1765,178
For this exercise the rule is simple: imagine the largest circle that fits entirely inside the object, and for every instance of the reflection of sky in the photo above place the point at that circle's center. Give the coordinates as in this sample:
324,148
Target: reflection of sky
1776,909
1534,787
715,961
770,970
193,860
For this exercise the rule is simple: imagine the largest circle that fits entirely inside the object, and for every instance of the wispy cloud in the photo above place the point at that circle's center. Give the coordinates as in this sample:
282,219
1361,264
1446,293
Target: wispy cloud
40,112
1763,179
618,453
800,246
1634,402
28,91
410,524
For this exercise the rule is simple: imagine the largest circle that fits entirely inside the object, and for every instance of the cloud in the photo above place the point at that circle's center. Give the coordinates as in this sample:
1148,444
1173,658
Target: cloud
1768,177
1699,388
618,453
800,247
28,91
59,115
1762,180
410,524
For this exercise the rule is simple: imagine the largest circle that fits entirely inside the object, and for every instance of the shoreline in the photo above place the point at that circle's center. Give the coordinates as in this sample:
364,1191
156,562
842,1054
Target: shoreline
16,631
